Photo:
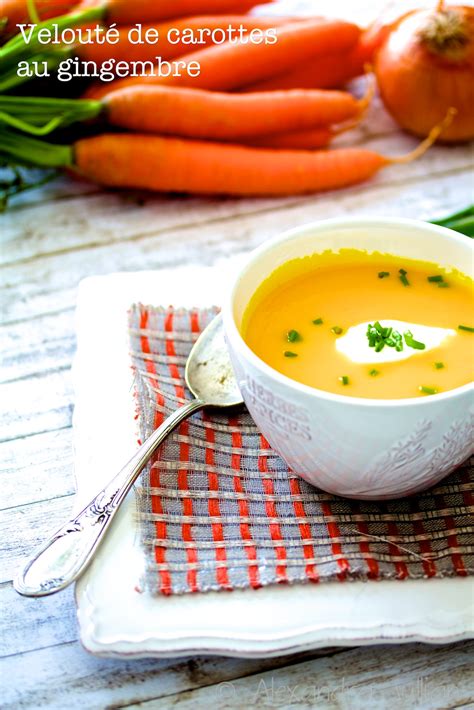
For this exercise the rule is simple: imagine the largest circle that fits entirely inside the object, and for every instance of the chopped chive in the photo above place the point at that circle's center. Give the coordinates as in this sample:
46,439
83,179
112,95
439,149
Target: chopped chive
374,372
467,328
428,390
384,274
397,337
435,279
289,353
318,321
411,342
336,330
344,380
439,365
293,336
378,337
403,277
443,284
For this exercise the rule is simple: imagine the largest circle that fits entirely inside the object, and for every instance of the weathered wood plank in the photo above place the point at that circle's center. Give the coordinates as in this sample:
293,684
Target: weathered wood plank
35,468
36,404
47,343
39,287
24,528
108,217
407,677
32,624
64,676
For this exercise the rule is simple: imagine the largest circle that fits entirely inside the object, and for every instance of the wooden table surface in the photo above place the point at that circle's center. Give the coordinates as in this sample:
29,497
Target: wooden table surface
54,237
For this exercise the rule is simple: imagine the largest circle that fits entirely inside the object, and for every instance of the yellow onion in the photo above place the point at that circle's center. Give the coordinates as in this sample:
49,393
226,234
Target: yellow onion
425,66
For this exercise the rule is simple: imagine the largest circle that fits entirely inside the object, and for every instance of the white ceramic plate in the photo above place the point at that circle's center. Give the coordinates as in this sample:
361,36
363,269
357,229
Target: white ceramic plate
117,620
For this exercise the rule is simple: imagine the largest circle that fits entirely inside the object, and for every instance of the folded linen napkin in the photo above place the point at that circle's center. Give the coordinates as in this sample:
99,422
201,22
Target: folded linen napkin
220,510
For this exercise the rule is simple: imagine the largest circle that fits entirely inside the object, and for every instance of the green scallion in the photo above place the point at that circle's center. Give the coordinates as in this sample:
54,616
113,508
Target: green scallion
344,380
467,328
462,221
374,372
289,353
411,342
435,279
428,390
318,321
383,274
336,330
293,336
439,365
403,277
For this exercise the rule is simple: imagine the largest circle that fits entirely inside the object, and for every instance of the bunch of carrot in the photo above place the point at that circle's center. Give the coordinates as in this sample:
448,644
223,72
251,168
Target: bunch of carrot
252,123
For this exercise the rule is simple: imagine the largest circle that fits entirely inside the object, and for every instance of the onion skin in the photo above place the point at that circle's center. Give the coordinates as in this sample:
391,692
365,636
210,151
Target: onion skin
420,79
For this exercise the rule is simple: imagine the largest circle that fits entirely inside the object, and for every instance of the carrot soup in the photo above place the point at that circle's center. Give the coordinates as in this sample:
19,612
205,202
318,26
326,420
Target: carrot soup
365,325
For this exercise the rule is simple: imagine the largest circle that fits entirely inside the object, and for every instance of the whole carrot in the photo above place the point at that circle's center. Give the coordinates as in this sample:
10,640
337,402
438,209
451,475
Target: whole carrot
200,167
230,66
330,71
177,165
49,114
174,37
197,113
127,12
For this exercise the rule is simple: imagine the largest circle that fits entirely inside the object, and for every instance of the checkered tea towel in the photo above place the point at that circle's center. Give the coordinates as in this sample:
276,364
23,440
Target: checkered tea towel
219,509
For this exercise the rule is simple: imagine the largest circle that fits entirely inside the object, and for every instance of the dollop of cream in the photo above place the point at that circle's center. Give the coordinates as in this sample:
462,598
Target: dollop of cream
354,343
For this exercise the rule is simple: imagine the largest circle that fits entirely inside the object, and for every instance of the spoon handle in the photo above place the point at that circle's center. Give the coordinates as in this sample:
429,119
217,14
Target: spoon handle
65,556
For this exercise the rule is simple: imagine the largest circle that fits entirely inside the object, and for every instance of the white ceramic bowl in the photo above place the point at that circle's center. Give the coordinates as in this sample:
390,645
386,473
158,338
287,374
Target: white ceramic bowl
351,446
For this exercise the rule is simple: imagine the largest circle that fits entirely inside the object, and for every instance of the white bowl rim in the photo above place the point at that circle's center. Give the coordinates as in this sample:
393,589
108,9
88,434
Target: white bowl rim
321,225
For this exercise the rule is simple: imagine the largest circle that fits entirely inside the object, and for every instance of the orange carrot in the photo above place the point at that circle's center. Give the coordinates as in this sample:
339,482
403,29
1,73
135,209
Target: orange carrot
167,46
16,11
128,12
200,167
312,139
228,66
327,72
169,164
196,113
177,165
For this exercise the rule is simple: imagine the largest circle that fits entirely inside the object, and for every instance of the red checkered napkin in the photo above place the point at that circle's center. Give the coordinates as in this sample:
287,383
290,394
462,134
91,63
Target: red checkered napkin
219,509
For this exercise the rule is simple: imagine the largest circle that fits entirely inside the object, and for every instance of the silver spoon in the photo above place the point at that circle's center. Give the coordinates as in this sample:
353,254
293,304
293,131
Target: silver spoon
210,378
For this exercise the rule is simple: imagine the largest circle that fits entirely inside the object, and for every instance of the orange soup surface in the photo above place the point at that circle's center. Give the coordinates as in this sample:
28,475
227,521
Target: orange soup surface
365,325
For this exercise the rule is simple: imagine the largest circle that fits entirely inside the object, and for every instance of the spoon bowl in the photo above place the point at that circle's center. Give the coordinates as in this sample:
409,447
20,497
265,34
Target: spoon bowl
209,374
